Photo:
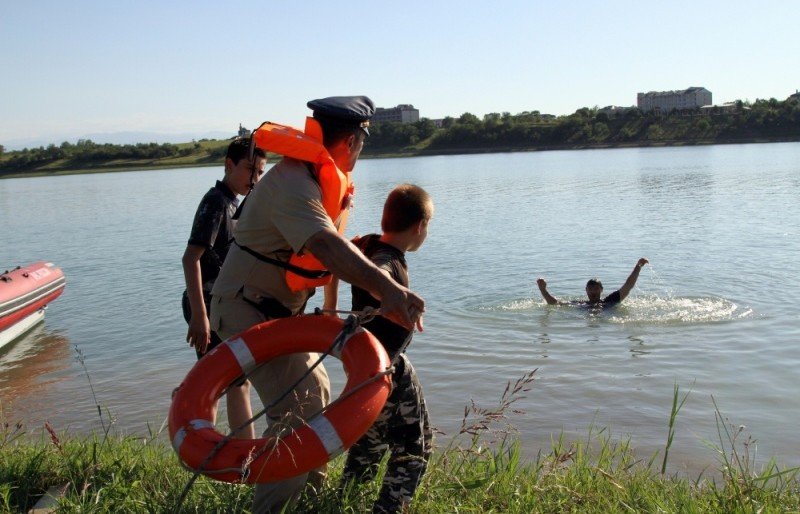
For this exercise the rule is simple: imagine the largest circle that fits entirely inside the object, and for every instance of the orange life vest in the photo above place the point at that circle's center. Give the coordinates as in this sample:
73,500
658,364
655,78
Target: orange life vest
337,189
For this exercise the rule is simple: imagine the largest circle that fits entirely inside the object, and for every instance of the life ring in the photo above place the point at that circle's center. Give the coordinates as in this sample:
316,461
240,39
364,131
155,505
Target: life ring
309,446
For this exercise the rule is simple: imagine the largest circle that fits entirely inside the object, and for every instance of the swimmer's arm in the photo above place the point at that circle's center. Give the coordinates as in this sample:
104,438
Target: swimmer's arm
550,299
627,287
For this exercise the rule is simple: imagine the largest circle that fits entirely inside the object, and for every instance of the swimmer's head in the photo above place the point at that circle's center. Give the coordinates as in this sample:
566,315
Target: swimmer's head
594,288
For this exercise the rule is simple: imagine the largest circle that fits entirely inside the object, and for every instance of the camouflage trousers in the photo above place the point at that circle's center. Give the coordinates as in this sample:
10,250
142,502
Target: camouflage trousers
402,429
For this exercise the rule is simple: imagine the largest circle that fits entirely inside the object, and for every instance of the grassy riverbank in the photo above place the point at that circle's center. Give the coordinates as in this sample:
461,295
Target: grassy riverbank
480,471
65,167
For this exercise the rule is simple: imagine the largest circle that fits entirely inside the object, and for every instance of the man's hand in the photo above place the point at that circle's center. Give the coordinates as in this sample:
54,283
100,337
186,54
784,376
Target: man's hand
642,262
402,306
199,333
550,299
344,260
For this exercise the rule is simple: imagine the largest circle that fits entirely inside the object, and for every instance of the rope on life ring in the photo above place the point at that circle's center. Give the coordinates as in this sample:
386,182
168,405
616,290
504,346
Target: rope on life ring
321,438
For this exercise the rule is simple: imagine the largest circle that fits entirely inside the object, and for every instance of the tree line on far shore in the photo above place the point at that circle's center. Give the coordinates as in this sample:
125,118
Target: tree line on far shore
761,120
88,154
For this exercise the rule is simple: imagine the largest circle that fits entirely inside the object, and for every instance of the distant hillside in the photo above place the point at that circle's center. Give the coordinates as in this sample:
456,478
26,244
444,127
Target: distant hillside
761,121
119,138
88,156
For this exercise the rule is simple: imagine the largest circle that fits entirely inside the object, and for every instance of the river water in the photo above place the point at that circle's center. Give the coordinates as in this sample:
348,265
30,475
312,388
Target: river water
716,312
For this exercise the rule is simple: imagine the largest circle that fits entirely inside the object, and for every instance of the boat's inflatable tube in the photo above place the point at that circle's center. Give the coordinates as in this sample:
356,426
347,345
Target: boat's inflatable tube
309,446
28,289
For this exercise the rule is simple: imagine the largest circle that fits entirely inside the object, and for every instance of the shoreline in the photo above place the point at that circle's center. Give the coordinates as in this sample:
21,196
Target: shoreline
106,168
588,146
103,169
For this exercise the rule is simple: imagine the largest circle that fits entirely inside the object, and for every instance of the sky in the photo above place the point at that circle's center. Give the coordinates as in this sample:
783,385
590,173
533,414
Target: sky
181,69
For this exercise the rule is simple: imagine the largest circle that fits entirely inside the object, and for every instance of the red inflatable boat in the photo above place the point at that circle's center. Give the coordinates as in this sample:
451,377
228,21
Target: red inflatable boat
24,293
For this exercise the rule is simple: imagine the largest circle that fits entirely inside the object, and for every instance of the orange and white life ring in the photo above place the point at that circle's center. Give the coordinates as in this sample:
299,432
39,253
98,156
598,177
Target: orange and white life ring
309,446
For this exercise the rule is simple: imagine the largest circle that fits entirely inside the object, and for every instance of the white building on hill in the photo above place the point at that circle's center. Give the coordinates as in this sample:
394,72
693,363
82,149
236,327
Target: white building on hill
403,113
666,101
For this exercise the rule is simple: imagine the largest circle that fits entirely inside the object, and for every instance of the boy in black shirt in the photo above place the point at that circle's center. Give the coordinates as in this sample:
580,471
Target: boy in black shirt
208,245
402,427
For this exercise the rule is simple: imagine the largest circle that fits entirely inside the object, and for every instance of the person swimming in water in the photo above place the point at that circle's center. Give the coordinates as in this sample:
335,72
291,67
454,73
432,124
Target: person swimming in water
594,290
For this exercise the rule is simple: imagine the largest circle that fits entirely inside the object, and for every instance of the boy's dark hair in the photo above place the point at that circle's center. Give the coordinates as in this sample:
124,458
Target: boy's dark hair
406,205
240,148
594,282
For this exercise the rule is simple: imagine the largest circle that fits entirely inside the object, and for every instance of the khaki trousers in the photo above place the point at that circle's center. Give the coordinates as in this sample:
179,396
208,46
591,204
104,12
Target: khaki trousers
230,316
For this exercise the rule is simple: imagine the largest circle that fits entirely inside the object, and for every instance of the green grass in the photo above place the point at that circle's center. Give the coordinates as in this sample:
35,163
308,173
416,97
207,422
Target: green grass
121,474
480,470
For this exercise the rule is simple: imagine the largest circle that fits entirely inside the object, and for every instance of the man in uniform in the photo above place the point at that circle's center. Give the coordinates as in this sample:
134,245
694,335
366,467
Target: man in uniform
283,215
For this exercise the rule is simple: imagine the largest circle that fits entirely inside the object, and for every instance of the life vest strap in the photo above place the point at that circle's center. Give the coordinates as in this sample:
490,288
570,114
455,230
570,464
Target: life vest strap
305,273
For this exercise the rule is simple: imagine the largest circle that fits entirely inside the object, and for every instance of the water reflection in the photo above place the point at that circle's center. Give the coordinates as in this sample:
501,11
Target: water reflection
32,366
661,187
544,339
638,349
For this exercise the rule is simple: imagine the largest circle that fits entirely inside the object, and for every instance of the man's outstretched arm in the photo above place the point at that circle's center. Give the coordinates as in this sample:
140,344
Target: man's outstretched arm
626,288
550,299
344,260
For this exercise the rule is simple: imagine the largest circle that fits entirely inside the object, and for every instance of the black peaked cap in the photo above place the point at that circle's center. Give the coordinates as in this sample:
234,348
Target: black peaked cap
351,111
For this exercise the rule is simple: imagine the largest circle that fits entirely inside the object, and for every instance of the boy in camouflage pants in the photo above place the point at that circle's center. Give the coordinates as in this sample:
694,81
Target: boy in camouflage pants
402,427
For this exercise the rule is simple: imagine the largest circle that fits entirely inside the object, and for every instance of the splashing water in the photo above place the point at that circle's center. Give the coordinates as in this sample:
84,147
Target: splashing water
654,309
666,308
523,304
656,279
648,308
